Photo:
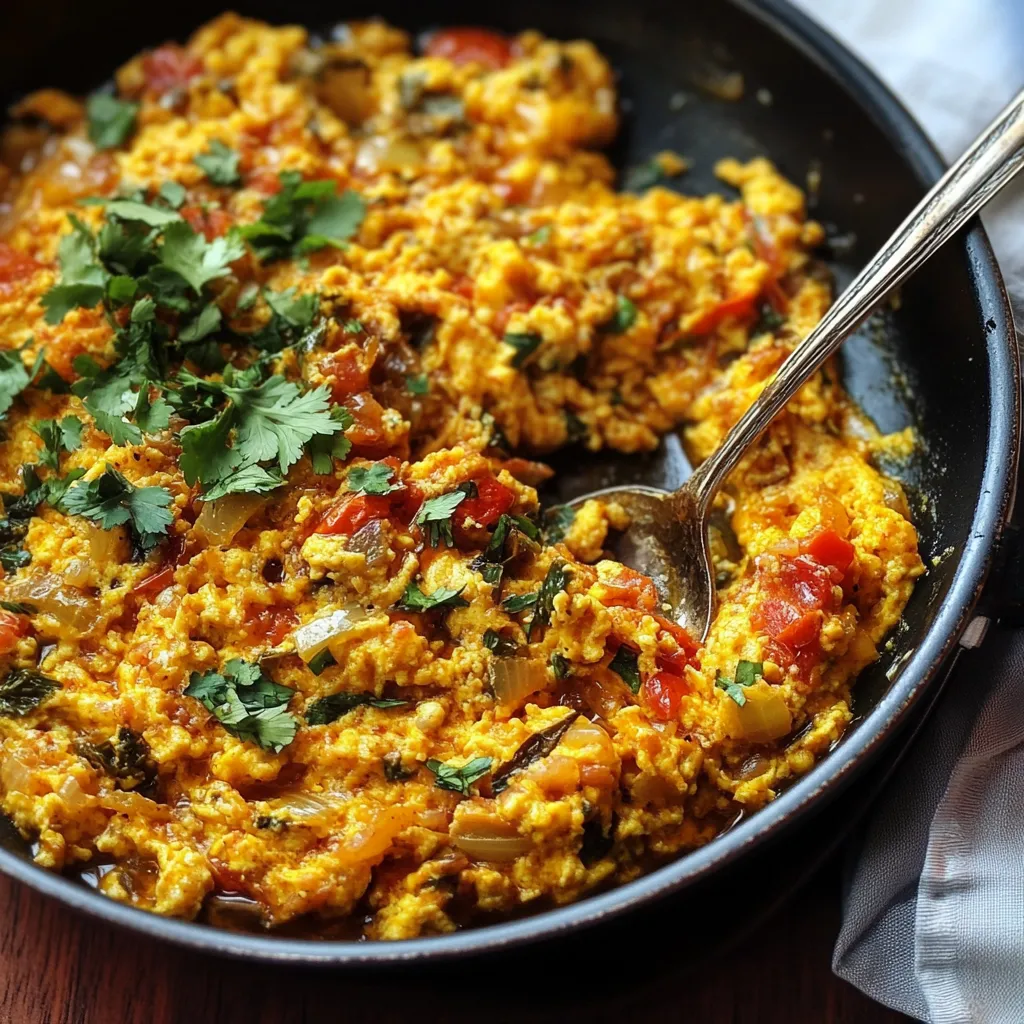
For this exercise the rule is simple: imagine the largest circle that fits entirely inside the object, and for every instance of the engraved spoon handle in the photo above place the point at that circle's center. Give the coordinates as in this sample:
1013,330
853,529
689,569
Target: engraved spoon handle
996,156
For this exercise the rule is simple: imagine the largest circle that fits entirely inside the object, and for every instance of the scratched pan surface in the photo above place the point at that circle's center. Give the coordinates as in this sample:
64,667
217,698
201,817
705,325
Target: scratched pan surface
945,361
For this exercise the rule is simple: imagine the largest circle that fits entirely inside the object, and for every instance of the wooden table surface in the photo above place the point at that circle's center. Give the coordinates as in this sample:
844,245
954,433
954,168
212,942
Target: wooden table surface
57,967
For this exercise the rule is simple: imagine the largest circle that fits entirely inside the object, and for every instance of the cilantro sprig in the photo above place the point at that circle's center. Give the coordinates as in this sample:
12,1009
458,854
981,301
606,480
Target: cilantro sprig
220,164
248,703
375,479
458,779
64,435
435,515
111,500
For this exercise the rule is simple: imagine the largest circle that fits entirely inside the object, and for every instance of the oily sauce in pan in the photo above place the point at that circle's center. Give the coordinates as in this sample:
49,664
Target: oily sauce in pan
288,327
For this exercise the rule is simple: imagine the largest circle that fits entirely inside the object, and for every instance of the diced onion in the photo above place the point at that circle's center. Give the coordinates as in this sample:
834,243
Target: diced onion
220,520
369,541
345,89
514,679
53,597
15,774
71,793
314,636
307,807
487,837
106,546
763,718
382,154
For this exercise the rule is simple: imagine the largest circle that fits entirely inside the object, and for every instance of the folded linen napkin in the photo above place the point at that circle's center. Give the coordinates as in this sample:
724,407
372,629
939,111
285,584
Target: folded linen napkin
933,915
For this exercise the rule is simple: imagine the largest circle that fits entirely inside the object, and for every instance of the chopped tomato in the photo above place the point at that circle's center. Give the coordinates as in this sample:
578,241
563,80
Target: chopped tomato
170,67
630,589
157,581
662,693
737,306
212,222
506,312
15,265
491,501
405,503
367,430
274,624
677,660
265,180
470,46
463,285
345,373
12,628
828,548
352,512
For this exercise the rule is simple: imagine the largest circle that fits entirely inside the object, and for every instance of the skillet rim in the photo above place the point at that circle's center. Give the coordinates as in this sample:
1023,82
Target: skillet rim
831,775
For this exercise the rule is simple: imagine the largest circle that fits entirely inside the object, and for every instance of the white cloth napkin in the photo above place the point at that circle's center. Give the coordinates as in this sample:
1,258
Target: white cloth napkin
933,915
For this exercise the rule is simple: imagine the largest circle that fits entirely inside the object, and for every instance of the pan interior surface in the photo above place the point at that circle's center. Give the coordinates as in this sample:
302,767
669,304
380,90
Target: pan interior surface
941,360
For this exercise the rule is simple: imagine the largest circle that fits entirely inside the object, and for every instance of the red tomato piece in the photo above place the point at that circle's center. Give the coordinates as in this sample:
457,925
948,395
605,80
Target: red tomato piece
470,46
170,67
737,306
157,581
802,631
662,693
828,548
12,628
630,589
274,624
345,373
367,430
491,501
211,222
15,265
352,512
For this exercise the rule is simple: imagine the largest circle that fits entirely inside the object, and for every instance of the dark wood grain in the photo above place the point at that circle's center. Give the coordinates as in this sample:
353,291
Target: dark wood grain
59,968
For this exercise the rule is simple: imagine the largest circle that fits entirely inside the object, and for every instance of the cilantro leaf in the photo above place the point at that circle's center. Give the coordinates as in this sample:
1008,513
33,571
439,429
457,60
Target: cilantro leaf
524,344
110,120
110,500
458,779
624,318
414,600
14,378
418,384
374,479
325,448
626,665
244,480
23,691
151,415
557,521
734,690
520,602
173,194
64,436
335,220
193,258
332,707
436,515
82,279
220,164
130,209
748,671
248,703
560,665
321,661
204,324
556,580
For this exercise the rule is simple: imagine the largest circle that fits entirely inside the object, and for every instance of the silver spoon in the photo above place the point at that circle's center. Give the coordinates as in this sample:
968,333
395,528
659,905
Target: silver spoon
668,534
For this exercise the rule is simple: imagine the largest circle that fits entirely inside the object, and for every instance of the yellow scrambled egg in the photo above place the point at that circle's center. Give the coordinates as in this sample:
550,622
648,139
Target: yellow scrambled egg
285,619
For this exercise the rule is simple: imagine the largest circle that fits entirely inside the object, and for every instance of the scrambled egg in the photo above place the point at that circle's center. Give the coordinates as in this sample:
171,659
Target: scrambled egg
469,709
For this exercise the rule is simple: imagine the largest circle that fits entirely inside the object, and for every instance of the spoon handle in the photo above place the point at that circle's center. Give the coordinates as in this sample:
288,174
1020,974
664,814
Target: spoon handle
994,158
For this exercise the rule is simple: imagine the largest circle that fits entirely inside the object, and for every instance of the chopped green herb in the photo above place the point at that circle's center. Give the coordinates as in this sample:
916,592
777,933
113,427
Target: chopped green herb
334,705
110,120
82,278
559,665
418,385
375,479
557,521
62,436
125,758
556,580
524,344
321,661
748,671
520,602
435,515
23,690
110,500
14,378
624,318
498,645
18,607
325,448
458,780
248,703
575,428
193,258
643,176
414,600
173,194
541,236
626,665
220,164
353,327
769,320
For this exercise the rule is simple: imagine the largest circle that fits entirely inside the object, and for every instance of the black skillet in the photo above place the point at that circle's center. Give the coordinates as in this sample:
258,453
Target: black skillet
945,362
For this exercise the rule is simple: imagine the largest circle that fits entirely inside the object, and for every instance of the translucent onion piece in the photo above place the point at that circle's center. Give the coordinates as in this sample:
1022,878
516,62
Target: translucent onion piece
369,541
763,718
309,806
71,793
53,597
314,636
487,837
106,546
381,154
514,679
220,520
15,775
346,90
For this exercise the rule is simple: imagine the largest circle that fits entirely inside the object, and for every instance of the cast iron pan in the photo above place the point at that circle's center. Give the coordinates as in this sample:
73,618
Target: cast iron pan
945,361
